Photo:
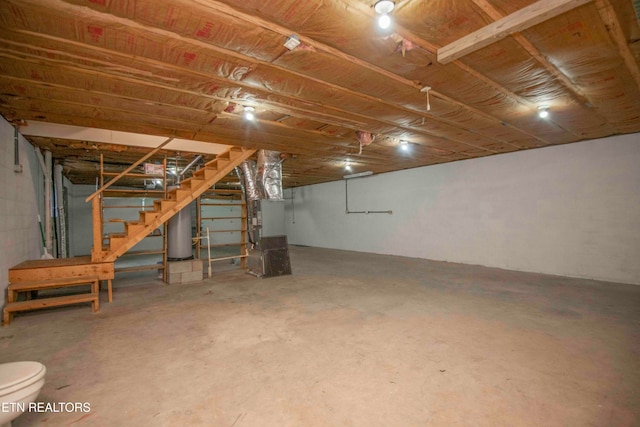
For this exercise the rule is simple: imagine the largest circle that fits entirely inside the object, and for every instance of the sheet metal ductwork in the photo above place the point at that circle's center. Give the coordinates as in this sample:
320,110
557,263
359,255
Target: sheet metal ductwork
247,174
269,175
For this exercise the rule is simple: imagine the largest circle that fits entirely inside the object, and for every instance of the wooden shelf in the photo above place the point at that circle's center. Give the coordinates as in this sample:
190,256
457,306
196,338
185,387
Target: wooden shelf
106,247
134,175
211,218
149,252
222,190
232,198
140,268
128,206
132,193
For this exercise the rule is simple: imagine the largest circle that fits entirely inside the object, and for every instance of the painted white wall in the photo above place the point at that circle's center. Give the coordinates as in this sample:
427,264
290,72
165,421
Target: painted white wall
81,223
79,216
20,194
570,210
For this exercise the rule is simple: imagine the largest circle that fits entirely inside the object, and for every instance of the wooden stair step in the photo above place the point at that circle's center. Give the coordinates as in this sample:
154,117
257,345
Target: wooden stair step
207,171
36,304
147,216
192,183
161,205
116,239
177,194
130,226
52,283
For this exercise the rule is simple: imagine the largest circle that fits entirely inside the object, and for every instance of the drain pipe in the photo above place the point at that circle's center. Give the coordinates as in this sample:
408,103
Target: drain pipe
346,195
45,165
62,222
48,182
189,166
17,167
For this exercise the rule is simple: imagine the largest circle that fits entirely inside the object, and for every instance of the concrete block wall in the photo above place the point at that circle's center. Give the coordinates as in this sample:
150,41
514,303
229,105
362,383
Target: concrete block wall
570,210
20,194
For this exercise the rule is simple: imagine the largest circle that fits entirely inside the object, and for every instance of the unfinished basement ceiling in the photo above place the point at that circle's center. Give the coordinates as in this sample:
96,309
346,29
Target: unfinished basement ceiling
188,68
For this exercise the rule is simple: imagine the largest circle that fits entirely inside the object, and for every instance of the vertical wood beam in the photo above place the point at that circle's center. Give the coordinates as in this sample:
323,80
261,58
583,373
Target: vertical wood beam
97,228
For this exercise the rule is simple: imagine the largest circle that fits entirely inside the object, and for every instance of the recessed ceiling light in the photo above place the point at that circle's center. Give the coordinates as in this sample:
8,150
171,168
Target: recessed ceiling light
543,111
248,113
384,21
404,145
383,8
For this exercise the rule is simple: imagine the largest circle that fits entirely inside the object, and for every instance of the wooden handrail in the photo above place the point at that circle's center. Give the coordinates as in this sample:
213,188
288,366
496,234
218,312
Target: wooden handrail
127,170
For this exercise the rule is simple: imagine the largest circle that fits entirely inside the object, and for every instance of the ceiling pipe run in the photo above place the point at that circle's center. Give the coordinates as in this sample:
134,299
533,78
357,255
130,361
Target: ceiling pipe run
191,164
17,167
346,195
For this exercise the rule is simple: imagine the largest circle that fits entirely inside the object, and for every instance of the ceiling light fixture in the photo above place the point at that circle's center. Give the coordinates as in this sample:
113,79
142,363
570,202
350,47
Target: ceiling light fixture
543,111
358,175
404,145
292,42
248,113
384,8
347,166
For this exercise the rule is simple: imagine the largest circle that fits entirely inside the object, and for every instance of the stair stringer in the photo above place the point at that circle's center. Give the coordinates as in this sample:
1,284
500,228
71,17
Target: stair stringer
178,198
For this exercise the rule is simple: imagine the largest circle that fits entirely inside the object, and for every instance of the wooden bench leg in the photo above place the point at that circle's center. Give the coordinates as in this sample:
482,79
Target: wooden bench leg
95,290
110,290
6,317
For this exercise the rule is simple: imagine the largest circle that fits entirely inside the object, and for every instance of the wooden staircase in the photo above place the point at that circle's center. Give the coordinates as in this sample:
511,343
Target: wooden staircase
177,198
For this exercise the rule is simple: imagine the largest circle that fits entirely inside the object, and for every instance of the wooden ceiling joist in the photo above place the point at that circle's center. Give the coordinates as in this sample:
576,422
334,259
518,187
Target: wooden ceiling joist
346,75
613,26
281,30
536,13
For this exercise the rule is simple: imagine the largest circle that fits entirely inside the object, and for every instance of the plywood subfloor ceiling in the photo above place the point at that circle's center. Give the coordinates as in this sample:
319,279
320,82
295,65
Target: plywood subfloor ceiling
188,68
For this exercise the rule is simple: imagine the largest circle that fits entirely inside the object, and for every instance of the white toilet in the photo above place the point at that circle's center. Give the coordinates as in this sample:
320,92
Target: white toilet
20,384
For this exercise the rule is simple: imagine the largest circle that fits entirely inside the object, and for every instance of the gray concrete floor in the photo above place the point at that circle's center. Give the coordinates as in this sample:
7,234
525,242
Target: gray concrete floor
350,339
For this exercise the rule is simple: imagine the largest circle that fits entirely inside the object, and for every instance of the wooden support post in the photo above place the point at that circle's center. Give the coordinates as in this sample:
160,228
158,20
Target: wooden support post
96,216
198,224
110,289
243,235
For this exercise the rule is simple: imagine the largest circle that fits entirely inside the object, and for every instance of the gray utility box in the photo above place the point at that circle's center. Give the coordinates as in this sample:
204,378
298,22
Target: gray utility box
271,218
270,257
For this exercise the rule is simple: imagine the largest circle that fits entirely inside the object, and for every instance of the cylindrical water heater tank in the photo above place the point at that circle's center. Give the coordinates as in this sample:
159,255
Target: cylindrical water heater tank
179,236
